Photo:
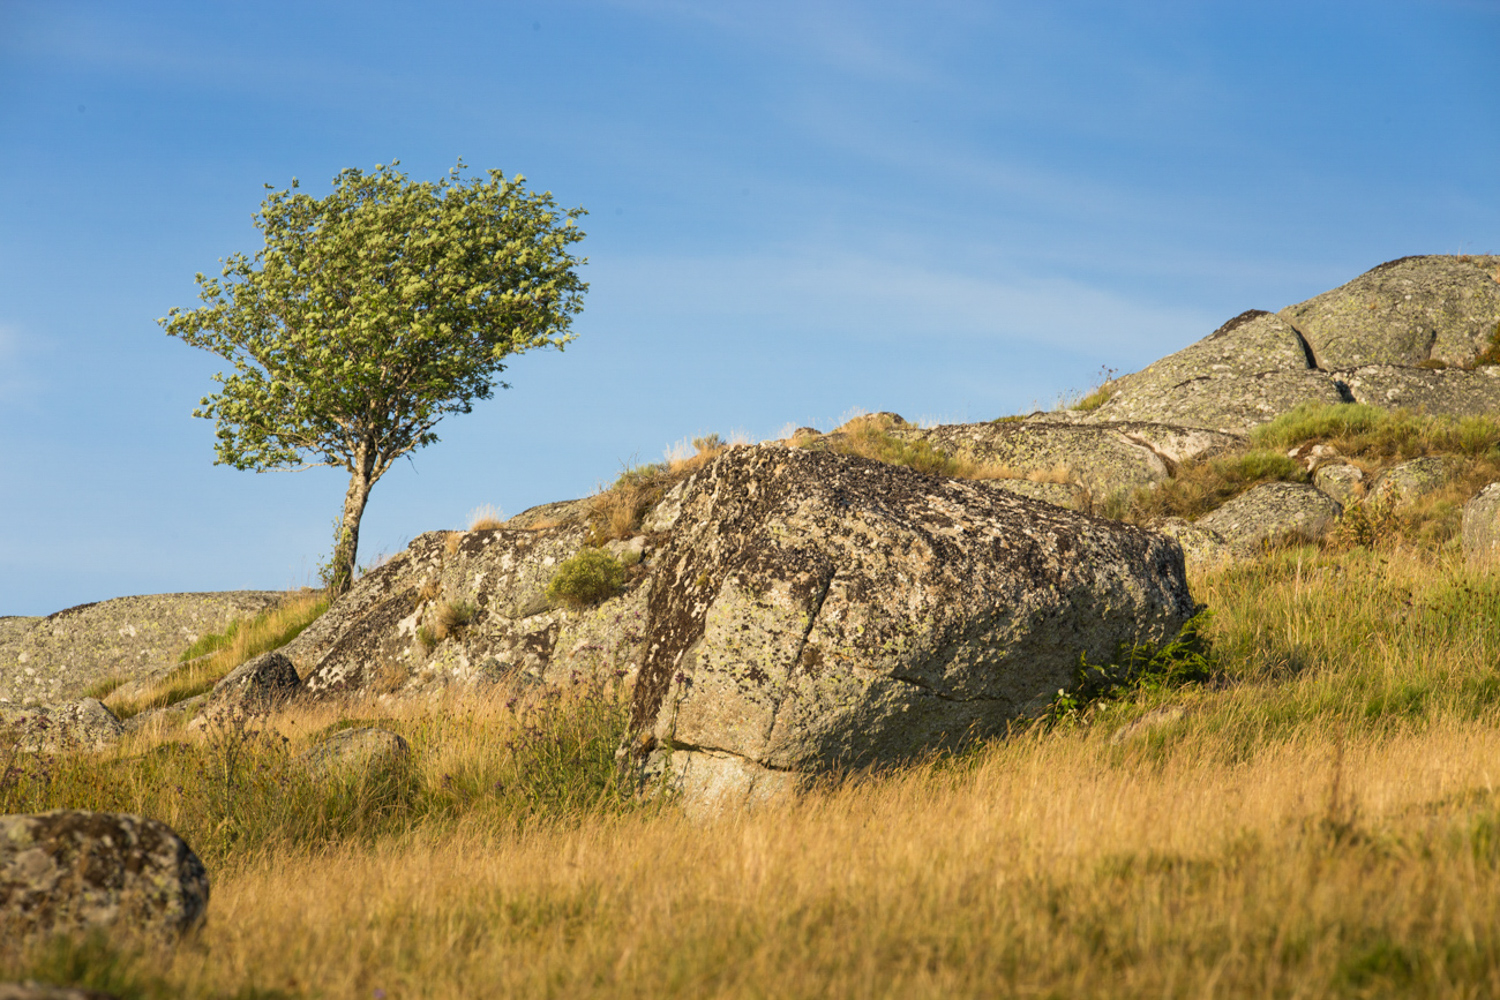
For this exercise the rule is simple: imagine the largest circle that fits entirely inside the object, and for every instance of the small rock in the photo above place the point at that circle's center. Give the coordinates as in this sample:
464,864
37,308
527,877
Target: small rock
87,724
1339,480
1403,484
1202,548
1481,525
259,685
1272,512
70,870
367,747
1310,456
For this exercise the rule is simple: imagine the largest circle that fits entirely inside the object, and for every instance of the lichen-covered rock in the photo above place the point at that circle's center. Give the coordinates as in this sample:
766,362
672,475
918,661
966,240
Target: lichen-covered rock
86,724
1061,494
815,611
1452,392
368,747
1107,459
69,871
1406,482
58,658
1404,312
259,684
1340,480
1202,548
469,608
1272,512
1481,526
1252,369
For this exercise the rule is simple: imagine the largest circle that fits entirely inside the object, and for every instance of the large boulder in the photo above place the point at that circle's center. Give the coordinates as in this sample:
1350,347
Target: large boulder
259,684
60,657
69,871
1404,483
86,724
814,611
1272,513
1250,370
1404,312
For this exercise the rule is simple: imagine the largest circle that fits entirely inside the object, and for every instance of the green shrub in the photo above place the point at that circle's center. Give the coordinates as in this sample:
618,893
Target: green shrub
588,578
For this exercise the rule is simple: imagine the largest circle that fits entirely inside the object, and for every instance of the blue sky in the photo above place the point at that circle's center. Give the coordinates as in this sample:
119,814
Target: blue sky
950,210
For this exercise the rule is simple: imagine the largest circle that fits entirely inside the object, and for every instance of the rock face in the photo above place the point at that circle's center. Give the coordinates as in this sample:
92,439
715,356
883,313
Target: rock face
815,611
1250,370
58,658
1106,459
1410,333
259,684
68,871
86,724
1481,525
388,634
1271,512
1404,312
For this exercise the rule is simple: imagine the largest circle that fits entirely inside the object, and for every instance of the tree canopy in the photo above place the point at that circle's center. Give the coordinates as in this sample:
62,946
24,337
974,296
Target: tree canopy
374,312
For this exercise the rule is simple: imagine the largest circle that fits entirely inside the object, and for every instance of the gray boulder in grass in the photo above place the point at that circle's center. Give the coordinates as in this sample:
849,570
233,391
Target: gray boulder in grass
815,611
1481,525
1272,512
262,682
70,870
368,747
86,724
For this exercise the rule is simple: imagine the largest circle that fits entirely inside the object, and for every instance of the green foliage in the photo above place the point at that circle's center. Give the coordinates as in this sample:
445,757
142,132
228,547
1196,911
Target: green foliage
1200,487
1095,399
589,577
1359,430
372,313
1187,659
869,440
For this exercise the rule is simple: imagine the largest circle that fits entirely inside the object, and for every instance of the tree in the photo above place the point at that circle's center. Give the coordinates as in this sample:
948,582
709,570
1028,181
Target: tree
373,313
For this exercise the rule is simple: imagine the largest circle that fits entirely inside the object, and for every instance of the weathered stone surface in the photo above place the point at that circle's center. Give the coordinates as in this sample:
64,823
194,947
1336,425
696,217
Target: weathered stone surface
1249,371
1446,391
1481,525
259,684
1340,480
367,747
58,658
69,870
1272,512
1061,494
814,610
1107,459
371,640
1406,482
1202,548
86,724
1404,312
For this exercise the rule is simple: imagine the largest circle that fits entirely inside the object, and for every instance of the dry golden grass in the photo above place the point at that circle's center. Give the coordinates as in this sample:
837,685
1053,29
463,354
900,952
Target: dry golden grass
249,638
486,518
1050,866
617,511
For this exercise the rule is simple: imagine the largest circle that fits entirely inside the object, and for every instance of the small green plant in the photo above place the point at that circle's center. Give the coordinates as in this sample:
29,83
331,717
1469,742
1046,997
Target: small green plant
1187,659
1095,399
588,578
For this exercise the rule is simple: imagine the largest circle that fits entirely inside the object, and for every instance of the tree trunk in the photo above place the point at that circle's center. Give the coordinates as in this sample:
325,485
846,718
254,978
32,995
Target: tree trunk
346,545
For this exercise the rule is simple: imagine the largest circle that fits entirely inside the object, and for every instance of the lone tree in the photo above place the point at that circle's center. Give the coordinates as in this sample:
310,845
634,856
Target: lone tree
373,313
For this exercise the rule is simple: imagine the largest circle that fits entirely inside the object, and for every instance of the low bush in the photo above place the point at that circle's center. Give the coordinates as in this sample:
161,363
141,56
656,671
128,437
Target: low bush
589,577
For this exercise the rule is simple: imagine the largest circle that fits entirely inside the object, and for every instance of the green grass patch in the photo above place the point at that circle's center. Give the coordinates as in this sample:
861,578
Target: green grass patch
587,578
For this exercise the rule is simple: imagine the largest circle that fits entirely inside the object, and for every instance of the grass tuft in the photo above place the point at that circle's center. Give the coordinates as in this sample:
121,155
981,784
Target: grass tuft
590,577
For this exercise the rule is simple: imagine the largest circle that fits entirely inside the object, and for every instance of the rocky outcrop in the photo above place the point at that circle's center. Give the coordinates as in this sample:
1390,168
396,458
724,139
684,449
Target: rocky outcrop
366,748
1407,482
1272,513
1420,332
86,724
1249,371
467,608
814,611
69,871
58,658
1481,526
1404,312
1106,459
